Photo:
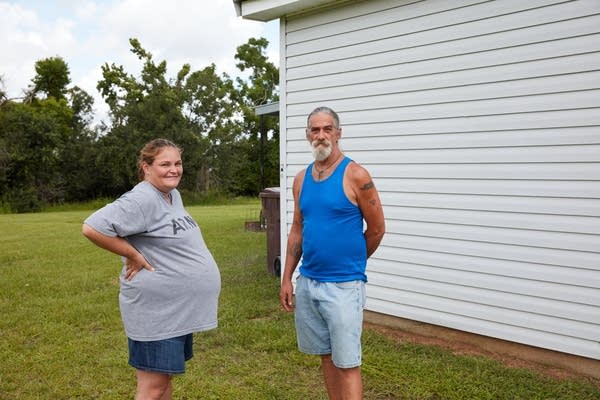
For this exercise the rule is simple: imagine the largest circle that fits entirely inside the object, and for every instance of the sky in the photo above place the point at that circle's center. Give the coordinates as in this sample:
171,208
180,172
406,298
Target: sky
86,34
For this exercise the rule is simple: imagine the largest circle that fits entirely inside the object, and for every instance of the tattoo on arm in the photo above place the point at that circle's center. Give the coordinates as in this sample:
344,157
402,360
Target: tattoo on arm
367,186
297,250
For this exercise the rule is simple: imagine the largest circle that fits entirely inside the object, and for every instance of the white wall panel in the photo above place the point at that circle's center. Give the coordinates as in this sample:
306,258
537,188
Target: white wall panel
426,63
423,92
545,300
523,171
538,222
386,262
479,122
493,44
501,251
567,206
516,237
529,188
488,327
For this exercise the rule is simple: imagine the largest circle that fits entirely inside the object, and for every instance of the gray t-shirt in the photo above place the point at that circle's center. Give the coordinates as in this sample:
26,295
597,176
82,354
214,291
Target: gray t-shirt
181,295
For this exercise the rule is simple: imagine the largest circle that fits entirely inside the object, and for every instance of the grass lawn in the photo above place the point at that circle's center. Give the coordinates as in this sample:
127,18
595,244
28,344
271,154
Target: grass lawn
62,337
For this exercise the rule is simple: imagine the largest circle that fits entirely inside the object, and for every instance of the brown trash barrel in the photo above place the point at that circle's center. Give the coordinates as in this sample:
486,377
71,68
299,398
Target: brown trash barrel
270,211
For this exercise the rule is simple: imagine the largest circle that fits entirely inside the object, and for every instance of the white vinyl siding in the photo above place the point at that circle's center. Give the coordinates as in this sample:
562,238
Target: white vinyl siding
480,124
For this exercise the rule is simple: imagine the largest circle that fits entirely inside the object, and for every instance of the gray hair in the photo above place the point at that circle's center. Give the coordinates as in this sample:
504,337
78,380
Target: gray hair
326,110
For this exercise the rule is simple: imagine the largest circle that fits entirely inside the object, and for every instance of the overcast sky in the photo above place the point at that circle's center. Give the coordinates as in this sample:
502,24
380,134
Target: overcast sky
89,33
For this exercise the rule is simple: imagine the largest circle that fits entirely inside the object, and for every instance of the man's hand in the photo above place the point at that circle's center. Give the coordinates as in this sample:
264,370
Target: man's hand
286,296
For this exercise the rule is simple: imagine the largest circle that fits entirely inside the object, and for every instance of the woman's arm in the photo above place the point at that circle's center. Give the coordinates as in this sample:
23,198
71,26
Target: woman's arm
135,261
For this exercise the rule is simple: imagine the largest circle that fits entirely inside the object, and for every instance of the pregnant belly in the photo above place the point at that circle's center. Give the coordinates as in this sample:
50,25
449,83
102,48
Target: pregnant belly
160,288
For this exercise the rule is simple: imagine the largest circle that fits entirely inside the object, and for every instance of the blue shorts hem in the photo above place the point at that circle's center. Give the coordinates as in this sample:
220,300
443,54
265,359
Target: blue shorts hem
314,353
324,353
167,356
157,370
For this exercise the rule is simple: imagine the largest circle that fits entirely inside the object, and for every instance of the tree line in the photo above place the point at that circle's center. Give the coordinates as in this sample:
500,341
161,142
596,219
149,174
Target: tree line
50,153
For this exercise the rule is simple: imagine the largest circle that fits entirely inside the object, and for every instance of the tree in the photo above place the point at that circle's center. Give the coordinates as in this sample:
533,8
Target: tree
263,140
44,142
49,153
210,105
52,77
142,109
3,97
79,148
262,85
197,111
33,136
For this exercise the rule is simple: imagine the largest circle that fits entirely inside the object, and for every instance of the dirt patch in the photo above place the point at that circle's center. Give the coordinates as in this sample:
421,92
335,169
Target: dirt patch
465,348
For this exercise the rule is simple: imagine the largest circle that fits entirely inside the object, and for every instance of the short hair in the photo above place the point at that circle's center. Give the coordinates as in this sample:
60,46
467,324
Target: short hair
150,151
325,110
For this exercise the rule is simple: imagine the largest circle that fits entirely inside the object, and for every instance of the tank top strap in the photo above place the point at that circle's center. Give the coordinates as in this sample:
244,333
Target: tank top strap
339,170
342,167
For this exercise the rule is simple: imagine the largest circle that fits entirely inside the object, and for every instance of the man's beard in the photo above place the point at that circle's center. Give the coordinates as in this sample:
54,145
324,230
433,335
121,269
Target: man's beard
321,149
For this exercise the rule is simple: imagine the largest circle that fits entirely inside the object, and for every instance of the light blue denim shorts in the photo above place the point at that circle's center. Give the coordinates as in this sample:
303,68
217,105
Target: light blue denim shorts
329,318
166,356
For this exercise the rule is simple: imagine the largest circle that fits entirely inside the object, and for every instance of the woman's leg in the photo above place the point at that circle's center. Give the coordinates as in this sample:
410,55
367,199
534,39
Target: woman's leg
153,386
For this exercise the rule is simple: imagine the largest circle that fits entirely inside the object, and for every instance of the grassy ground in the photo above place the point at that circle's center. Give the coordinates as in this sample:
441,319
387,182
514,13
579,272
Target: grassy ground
62,338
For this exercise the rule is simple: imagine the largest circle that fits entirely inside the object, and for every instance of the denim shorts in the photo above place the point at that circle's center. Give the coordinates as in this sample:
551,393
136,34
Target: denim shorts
167,356
329,318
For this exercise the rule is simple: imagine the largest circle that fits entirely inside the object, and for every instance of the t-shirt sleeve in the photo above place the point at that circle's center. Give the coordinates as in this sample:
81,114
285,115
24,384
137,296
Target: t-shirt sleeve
123,217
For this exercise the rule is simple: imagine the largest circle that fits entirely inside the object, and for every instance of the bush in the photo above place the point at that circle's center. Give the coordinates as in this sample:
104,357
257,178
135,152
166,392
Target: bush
212,197
21,200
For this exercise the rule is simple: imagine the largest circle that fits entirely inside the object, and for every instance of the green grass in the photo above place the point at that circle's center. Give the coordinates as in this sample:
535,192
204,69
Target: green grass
62,337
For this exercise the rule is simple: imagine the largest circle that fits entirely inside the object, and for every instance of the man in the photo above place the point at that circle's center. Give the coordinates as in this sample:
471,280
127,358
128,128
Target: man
332,197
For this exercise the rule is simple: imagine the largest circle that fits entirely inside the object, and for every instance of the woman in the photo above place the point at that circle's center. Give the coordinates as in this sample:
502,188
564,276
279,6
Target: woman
170,282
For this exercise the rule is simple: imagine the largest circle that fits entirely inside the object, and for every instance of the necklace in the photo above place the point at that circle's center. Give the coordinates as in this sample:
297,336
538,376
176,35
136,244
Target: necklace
320,172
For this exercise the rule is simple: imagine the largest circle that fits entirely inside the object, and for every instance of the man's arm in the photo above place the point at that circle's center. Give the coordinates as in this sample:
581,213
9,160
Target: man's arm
294,248
367,199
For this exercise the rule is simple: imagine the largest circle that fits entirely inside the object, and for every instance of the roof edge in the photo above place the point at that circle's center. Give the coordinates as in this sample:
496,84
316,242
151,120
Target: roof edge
267,10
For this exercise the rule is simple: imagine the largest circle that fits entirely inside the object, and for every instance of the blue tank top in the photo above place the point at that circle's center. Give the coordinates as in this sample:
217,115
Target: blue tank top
333,247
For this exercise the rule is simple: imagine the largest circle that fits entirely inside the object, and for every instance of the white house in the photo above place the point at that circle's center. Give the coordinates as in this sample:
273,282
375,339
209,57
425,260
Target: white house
480,124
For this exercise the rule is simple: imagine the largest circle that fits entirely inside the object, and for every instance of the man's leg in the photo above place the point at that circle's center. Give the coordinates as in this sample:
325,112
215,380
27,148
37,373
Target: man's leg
341,383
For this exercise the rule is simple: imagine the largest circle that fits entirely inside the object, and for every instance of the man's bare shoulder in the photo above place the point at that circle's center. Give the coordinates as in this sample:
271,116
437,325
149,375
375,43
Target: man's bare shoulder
357,174
298,180
300,174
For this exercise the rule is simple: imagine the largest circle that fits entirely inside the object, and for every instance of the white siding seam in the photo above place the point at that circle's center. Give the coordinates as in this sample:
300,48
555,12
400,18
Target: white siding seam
411,136
478,210
372,288
575,345
455,283
489,266
590,118
487,50
504,232
464,101
425,248
495,225
508,322
437,88
378,11
446,71
460,23
487,194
